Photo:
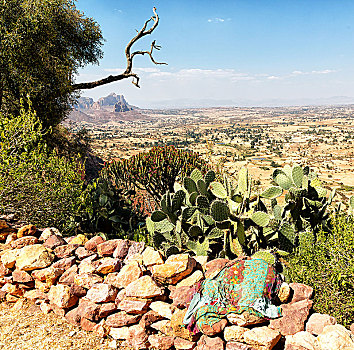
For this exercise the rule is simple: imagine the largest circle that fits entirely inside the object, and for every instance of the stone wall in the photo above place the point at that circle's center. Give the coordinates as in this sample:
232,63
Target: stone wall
126,291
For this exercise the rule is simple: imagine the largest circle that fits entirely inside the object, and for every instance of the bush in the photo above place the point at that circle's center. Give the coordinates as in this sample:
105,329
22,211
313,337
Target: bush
35,183
328,267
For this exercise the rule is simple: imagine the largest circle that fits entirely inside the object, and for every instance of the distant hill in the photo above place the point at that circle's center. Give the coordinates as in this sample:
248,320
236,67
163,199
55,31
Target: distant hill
106,109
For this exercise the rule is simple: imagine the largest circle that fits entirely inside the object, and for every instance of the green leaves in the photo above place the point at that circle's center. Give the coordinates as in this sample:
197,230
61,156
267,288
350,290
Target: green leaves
272,192
218,190
260,218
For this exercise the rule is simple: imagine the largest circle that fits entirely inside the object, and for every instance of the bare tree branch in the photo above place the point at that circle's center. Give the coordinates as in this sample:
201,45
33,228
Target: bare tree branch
128,73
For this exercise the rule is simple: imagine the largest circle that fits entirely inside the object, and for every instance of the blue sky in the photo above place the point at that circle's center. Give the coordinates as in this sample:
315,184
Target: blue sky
229,49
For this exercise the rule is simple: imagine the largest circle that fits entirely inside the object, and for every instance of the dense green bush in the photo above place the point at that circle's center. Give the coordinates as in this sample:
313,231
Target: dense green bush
36,184
328,267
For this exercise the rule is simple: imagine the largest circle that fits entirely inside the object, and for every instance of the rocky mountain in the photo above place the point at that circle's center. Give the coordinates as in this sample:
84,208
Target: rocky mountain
109,108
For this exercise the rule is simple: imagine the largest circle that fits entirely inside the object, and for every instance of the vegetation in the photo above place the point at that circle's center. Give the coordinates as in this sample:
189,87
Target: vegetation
328,267
36,184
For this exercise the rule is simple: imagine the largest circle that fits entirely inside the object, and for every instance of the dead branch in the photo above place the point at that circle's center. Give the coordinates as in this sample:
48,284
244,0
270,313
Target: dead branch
128,73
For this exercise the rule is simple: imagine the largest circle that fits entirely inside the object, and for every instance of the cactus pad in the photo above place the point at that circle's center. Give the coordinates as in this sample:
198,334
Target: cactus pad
177,200
219,211
196,175
158,215
242,184
189,185
272,192
218,190
283,181
209,177
297,175
202,202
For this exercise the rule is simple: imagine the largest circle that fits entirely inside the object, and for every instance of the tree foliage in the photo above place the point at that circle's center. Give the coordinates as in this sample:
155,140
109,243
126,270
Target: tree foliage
43,44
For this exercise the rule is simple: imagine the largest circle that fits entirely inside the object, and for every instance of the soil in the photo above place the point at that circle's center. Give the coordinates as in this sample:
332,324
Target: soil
27,328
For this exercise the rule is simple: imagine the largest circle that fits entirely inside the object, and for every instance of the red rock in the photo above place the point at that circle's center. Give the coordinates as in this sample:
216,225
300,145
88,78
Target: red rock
49,274
149,318
88,309
35,294
135,248
352,328
300,341
83,253
2,295
11,298
68,276
121,319
45,307
161,342
42,286
317,322
121,250
87,280
183,344
87,325
300,292
134,306
120,296
73,317
88,265
54,241
21,276
102,293
107,309
77,290
235,345
60,295
21,242
101,330
294,317
49,231
92,243
128,274
65,263
178,326
65,251
58,310
213,267
144,287
210,343
107,248
182,296
3,270
12,289
28,230
107,265
137,337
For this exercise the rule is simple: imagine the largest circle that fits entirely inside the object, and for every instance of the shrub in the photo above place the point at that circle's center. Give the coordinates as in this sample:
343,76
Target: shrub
328,267
35,183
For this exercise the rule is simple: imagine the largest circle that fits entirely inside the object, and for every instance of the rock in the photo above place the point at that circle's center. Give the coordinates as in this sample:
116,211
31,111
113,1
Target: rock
101,330
201,259
262,338
135,248
144,287
163,326
178,327
183,344
54,241
161,342
21,276
334,337
128,274
73,317
151,257
108,265
107,309
60,295
119,333
88,264
12,289
235,345
24,241
102,293
245,319
87,280
137,337
149,318
28,230
34,257
212,268
191,280
300,341
120,296
79,239
8,258
92,243
234,333
317,322
135,257
107,248
65,251
121,250
174,269
300,292
65,263
87,325
88,309
68,277
4,270
49,274
49,231
134,306
35,294
182,296
42,286
121,319
3,224
210,343
11,237
11,298
294,317
77,290
45,307
163,309
83,253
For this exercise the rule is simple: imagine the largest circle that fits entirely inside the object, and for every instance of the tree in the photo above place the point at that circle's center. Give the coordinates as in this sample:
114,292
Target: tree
43,43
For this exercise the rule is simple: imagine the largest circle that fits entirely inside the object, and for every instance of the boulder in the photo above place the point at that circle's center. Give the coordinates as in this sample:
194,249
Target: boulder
144,287
235,345
179,330
107,248
151,257
28,230
119,333
163,309
213,267
65,251
34,257
88,265
300,292
92,243
65,263
128,274
134,248
54,241
105,266
183,344
334,337
234,333
300,341
182,296
210,343
191,280
262,338
83,253
121,319
102,293
24,241
107,309
8,258
121,250
79,239
73,317
317,322
134,306
137,337
161,342
49,231
68,276
60,295
21,276
149,318
87,280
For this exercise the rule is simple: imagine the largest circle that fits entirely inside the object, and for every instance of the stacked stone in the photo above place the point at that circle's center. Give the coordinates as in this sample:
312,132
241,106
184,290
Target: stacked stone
124,290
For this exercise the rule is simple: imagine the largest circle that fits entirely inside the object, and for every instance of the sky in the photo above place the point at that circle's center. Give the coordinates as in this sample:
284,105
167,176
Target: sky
227,52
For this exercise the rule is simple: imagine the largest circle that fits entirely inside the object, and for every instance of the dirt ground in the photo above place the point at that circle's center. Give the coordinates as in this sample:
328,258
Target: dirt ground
29,329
